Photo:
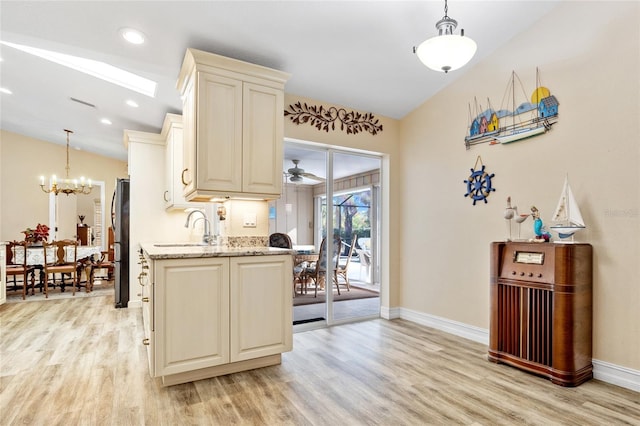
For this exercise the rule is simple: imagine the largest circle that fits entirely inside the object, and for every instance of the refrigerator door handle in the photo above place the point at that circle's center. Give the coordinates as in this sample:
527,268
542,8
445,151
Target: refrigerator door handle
113,211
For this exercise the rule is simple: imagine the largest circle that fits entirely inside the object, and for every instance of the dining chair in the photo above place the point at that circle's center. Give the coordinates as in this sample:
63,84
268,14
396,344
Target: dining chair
342,269
318,271
107,259
61,257
282,240
19,269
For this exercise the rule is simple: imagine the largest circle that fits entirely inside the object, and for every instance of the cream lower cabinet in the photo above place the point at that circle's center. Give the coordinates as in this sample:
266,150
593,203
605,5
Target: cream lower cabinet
212,316
261,307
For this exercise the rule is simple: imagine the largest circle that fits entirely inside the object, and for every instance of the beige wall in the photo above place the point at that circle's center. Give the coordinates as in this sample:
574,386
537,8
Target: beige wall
444,239
23,160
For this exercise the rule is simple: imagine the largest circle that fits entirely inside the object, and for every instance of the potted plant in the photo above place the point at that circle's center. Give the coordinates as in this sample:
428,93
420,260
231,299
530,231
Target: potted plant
36,236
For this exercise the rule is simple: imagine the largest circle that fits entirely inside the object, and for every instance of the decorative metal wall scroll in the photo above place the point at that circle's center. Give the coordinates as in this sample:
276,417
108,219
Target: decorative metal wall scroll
325,118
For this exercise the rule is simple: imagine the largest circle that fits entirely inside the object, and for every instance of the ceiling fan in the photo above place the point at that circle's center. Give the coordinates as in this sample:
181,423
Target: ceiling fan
297,173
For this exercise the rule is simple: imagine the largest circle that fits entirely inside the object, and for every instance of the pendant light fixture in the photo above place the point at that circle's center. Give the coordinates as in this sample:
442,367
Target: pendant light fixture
68,186
446,51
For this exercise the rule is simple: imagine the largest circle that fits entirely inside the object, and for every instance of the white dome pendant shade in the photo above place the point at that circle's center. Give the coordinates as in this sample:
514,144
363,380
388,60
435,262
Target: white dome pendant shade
446,51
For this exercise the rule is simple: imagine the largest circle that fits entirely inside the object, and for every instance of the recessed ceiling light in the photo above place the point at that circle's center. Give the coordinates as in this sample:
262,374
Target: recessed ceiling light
132,104
94,68
132,36
5,90
105,121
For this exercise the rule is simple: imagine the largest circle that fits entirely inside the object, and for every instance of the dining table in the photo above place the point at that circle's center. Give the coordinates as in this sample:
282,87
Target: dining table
35,257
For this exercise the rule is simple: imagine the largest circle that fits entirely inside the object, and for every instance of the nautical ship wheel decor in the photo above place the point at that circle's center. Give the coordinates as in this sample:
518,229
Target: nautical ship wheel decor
479,183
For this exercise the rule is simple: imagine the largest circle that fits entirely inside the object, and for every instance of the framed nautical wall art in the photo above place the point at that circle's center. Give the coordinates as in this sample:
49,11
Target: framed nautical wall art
520,116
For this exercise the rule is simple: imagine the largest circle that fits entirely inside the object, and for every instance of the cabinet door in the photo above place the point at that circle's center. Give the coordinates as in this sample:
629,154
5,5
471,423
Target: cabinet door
146,283
261,308
174,157
188,172
191,309
263,133
219,133
169,156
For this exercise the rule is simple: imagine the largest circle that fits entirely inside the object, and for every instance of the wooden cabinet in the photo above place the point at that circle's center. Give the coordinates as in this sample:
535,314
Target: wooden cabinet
84,235
173,196
205,317
541,309
261,308
233,128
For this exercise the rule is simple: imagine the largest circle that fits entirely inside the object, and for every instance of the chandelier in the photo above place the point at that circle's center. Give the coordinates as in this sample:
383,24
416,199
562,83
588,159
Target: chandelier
446,51
68,186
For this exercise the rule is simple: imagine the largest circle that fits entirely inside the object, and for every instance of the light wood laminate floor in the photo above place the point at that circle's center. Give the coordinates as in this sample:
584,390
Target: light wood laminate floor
81,362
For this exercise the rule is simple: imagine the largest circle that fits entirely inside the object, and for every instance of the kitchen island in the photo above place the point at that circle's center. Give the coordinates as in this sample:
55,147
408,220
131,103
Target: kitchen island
210,310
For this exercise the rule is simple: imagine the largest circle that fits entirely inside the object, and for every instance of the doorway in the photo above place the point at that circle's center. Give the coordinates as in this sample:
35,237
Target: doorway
65,212
351,194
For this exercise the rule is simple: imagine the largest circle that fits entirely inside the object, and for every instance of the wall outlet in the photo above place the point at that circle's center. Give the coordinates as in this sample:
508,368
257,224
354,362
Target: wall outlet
250,220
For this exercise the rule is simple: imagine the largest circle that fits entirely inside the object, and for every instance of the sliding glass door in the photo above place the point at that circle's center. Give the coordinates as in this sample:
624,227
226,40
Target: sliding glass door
331,189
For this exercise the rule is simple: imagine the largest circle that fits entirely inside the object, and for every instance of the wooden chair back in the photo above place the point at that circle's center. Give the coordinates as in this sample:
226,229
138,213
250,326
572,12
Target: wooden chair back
59,250
61,257
18,269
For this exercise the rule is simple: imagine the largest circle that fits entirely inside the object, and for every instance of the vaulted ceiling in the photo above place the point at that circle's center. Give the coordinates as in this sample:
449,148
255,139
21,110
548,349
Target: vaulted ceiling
352,53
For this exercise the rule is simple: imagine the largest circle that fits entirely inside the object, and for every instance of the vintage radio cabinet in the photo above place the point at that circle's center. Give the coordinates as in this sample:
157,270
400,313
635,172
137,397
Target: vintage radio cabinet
541,309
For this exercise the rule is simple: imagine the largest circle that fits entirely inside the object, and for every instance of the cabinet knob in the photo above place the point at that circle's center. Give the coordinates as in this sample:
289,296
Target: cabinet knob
145,299
522,274
539,275
145,342
530,274
513,272
166,193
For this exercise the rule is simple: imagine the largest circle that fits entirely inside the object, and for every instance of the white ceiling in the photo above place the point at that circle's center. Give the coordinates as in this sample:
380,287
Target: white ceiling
357,54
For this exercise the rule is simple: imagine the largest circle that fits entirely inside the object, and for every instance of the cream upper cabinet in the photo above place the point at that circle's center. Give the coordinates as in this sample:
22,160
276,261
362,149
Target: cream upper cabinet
233,115
172,133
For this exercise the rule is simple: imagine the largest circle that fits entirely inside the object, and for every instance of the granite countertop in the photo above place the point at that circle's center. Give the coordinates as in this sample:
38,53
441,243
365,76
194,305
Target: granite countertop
191,250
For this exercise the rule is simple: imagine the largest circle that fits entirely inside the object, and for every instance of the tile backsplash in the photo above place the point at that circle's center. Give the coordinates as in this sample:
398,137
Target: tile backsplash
245,241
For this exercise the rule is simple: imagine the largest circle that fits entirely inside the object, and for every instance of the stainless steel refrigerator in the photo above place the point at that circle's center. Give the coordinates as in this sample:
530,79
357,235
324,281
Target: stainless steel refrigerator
120,223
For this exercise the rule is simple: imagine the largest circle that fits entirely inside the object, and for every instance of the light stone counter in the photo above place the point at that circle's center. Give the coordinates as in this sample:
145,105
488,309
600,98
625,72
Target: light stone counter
190,250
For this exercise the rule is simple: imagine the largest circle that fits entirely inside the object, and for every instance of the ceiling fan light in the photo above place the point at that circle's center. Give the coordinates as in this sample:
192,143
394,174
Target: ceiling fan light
446,53
296,178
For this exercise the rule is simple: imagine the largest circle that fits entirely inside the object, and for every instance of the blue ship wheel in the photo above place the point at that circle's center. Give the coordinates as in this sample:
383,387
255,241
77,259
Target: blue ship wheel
479,185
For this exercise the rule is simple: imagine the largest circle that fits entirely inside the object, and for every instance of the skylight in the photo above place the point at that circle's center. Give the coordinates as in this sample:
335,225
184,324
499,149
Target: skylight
97,69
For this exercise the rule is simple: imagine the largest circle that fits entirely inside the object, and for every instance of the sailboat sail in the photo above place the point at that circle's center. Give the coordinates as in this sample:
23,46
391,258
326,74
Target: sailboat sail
568,213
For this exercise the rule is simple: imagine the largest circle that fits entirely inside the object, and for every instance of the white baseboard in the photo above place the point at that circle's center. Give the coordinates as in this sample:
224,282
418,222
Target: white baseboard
134,304
604,371
616,375
470,332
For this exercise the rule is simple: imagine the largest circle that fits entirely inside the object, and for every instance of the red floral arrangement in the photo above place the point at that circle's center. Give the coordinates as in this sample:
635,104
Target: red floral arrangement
41,233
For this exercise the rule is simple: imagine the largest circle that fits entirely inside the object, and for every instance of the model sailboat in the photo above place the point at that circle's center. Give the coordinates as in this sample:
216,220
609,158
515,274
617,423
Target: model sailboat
568,213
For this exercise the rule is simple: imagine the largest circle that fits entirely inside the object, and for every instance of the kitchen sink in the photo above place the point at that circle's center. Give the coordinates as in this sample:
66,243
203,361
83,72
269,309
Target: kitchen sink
181,245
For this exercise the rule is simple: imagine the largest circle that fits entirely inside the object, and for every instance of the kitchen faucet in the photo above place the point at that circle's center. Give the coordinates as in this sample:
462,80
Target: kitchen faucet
206,236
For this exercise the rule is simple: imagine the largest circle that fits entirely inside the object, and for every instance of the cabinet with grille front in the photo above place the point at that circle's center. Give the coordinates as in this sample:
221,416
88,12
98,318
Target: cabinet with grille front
541,309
